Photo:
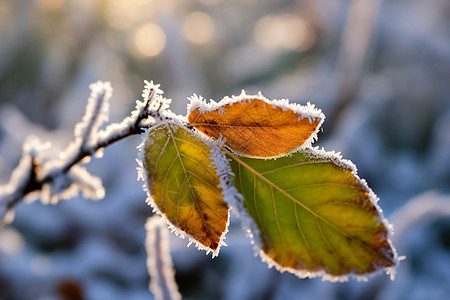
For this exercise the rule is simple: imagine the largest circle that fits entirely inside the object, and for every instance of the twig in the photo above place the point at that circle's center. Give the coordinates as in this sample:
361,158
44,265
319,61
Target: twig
35,171
159,262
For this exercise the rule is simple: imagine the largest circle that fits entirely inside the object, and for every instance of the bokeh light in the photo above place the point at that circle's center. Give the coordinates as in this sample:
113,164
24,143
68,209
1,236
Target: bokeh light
211,2
49,5
199,28
149,39
124,14
5,11
284,31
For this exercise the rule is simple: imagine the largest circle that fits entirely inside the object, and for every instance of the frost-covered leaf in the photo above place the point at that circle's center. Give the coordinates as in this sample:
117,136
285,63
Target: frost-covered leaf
187,178
313,215
255,126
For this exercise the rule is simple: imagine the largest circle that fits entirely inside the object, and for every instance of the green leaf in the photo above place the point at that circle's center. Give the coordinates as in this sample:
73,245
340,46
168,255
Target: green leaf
314,215
183,182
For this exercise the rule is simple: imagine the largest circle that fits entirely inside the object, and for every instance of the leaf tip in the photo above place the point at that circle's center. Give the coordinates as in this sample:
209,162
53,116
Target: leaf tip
194,154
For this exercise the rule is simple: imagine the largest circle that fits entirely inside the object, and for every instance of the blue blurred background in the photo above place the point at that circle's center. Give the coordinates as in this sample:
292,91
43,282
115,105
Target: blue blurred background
380,71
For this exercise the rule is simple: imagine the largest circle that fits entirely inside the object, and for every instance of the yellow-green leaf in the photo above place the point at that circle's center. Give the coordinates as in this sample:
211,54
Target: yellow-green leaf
183,184
314,215
255,126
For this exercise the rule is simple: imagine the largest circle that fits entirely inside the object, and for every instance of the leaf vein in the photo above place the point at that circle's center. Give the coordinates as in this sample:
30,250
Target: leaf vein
190,186
339,230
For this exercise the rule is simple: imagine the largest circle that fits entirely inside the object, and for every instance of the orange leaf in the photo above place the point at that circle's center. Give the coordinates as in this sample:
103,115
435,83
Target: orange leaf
255,126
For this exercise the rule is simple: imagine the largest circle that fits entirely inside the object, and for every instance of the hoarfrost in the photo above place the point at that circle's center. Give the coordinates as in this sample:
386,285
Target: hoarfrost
68,185
159,262
304,111
308,111
39,174
220,164
21,176
96,114
252,230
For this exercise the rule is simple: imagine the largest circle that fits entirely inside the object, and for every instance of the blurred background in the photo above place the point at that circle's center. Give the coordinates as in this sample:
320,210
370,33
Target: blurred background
380,71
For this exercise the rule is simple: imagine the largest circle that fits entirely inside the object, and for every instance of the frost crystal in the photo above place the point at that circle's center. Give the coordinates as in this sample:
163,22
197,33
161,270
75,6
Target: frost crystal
31,153
305,111
96,114
220,164
39,174
308,111
252,231
159,262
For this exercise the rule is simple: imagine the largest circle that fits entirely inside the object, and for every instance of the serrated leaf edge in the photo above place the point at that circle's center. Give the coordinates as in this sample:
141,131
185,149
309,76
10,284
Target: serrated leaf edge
252,231
308,111
219,163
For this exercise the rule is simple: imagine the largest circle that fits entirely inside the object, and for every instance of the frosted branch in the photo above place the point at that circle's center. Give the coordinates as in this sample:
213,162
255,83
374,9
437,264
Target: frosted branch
97,112
159,262
38,175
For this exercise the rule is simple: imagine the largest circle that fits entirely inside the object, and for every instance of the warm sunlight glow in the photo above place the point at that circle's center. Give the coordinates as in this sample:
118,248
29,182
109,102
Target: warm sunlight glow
149,39
199,28
287,31
300,35
49,4
124,14
267,33
117,19
211,2
5,11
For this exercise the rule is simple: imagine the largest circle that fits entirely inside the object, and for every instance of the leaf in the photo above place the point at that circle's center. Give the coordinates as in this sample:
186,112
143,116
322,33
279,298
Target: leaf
184,185
314,215
255,126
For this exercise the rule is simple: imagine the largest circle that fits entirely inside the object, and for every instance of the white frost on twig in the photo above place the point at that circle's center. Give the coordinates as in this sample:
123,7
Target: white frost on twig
39,174
31,153
85,131
147,113
67,180
159,262
96,114
68,185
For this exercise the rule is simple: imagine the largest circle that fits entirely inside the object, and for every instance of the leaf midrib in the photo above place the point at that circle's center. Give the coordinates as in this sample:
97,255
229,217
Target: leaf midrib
317,216
290,124
190,185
